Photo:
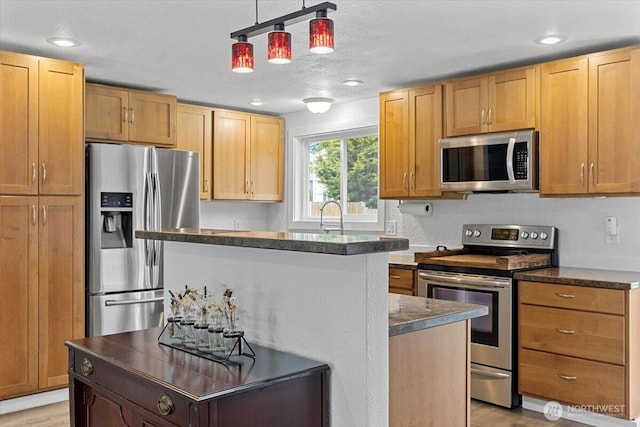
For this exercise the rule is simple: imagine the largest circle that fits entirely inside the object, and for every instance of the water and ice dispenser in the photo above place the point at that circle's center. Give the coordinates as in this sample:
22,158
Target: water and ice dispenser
116,216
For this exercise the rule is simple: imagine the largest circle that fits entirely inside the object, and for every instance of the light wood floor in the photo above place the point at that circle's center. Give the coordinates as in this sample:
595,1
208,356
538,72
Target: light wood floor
482,415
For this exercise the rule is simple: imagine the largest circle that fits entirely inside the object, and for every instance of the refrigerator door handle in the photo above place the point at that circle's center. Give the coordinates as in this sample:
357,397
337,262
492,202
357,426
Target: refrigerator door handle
157,225
110,302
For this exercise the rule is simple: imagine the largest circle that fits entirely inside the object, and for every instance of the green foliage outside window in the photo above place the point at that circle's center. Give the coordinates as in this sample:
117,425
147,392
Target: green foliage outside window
362,168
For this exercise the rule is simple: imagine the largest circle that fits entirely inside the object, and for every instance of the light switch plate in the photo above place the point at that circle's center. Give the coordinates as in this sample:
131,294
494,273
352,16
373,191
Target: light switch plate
390,229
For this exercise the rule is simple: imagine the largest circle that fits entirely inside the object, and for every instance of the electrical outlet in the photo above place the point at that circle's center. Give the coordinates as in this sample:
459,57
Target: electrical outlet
390,229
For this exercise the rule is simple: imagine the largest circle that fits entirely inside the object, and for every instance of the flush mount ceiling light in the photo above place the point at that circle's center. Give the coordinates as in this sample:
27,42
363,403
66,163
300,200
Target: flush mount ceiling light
63,42
352,82
318,105
256,102
551,39
279,47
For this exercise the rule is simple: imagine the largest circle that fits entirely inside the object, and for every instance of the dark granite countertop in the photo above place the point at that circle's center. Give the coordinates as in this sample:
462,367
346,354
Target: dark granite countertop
595,278
409,314
334,244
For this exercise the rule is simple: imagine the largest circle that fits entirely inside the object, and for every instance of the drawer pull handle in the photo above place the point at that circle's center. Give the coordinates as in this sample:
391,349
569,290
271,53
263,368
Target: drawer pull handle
165,404
566,331
86,367
394,276
561,295
568,377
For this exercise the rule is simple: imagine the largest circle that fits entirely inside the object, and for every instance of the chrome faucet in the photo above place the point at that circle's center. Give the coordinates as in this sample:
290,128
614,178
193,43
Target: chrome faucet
327,229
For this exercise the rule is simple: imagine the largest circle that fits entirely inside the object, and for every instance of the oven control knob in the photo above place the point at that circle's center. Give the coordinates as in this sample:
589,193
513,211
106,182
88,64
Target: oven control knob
468,233
543,235
476,233
524,235
534,235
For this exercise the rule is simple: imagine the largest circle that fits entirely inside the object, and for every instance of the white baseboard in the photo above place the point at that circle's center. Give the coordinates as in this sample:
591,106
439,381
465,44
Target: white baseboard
33,401
571,414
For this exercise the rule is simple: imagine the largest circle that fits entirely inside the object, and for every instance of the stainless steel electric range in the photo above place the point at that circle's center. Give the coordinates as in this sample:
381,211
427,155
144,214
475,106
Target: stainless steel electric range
482,273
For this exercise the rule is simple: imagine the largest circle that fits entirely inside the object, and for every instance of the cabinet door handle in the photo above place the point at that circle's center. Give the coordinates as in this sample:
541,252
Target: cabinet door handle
561,295
582,174
591,174
206,185
253,187
567,377
133,115
125,114
412,180
44,215
394,276
34,171
34,215
44,173
482,118
566,331
490,116
404,181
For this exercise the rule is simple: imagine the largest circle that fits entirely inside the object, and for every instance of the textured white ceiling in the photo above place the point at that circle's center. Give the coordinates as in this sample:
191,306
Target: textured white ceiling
183,47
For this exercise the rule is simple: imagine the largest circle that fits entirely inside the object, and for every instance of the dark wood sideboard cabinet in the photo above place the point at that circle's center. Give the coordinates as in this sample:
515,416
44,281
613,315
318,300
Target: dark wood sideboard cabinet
129,379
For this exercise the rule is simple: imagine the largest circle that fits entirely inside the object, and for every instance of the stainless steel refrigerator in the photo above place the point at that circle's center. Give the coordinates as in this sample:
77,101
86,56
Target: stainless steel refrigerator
133,188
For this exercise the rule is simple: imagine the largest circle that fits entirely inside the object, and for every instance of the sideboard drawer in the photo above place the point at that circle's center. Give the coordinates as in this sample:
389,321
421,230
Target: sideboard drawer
574,297
574,381
127,385
593,336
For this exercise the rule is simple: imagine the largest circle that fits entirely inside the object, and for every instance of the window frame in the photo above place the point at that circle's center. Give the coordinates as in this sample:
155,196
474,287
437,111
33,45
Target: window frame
300,184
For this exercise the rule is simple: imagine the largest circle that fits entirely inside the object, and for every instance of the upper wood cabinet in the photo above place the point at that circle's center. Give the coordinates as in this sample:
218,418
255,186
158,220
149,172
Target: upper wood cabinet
590,132
41,125
194,134
267,158
500,101
116,114
410,127
248,152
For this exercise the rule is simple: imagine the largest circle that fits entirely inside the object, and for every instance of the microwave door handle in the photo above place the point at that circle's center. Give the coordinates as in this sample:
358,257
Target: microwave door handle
510,148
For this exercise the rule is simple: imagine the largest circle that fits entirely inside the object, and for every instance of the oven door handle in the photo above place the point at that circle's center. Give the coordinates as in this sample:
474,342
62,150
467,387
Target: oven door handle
477,282
497,375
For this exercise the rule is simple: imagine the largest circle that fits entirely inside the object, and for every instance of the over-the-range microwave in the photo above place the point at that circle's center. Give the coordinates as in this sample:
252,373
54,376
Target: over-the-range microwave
501,161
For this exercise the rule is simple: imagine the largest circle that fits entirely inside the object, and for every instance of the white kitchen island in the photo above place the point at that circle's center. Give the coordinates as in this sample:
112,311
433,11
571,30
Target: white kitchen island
317,295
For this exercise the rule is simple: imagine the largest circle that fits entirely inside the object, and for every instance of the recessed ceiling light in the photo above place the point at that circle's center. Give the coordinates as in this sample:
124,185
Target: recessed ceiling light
352,82
551,39
256,102
63,42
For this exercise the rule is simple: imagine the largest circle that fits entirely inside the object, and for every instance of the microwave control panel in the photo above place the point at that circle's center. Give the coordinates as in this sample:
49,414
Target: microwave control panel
520,158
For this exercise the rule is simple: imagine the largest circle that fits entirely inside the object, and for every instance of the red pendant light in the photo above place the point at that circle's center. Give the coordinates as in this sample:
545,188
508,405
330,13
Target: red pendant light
321,33
242,56
279,47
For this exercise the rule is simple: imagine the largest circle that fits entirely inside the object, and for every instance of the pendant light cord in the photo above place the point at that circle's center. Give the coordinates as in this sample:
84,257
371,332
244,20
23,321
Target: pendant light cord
257,13
303,6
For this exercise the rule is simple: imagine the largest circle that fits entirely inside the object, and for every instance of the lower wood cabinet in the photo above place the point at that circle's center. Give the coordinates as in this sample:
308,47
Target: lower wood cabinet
403,280
429,382
580,346
41,290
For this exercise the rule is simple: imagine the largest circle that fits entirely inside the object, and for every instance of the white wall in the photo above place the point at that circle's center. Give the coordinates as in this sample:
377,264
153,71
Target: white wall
580,220
580,223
